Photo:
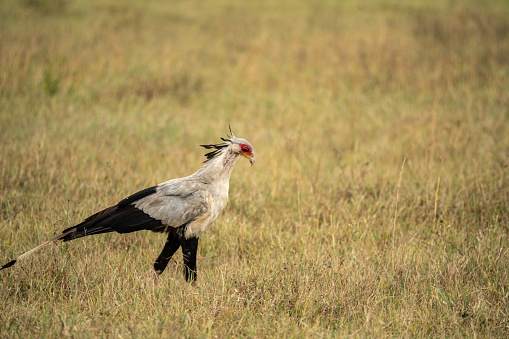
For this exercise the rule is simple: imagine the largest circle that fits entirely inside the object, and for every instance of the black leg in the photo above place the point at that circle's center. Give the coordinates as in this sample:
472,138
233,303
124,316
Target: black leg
189,249
171,246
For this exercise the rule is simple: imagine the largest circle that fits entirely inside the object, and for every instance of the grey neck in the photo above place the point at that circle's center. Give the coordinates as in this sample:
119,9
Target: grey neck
218,168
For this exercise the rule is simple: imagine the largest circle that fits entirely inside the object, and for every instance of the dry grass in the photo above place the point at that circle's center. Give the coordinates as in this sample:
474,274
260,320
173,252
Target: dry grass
378,205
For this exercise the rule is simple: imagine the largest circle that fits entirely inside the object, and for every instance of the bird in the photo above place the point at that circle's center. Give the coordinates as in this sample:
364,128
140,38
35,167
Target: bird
184,208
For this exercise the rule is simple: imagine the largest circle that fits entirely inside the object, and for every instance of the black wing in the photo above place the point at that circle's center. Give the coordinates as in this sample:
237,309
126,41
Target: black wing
122,218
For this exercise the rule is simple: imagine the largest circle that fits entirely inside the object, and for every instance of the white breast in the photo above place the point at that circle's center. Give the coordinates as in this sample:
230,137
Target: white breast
217,199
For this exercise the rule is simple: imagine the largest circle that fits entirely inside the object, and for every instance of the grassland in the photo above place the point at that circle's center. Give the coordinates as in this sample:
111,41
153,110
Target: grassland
378,205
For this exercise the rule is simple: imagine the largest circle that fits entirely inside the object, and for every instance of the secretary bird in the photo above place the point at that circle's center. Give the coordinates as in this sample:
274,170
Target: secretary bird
184,207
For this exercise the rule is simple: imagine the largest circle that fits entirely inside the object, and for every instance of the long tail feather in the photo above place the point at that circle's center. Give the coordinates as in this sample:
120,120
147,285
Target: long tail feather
46,243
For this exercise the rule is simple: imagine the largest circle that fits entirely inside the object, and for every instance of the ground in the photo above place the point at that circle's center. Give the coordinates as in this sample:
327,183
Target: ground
378,204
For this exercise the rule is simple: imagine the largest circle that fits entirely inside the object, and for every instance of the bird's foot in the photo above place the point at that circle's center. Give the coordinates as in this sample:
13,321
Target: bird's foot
156,276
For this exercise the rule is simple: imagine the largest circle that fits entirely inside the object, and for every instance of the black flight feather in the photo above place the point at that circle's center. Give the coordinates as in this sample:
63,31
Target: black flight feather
137,196
121,218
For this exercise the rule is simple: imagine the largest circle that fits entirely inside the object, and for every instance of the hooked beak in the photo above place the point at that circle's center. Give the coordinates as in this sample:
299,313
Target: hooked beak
251,158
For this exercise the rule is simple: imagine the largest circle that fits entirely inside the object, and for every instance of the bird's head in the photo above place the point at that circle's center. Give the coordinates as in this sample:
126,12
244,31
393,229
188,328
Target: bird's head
238,146
243,147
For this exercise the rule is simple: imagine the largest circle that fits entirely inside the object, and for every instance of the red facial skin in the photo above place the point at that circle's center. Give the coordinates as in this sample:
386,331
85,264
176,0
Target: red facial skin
246,150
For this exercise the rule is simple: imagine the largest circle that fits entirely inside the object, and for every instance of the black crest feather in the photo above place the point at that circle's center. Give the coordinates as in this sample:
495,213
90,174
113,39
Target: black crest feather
217,148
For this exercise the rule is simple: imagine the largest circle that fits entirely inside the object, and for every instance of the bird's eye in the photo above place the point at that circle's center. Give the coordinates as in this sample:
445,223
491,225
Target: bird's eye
245,149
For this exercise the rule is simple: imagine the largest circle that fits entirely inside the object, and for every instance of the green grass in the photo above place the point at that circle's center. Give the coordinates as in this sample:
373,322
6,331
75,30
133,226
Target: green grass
378,205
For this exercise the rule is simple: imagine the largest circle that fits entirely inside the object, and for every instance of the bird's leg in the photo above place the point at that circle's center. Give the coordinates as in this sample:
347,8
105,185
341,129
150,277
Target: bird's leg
189,249
171,246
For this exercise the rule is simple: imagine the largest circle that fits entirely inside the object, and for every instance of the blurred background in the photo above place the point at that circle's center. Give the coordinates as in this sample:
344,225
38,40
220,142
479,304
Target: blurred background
381,128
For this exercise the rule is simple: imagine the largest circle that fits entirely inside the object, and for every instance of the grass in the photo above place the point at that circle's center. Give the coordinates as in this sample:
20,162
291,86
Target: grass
378,205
